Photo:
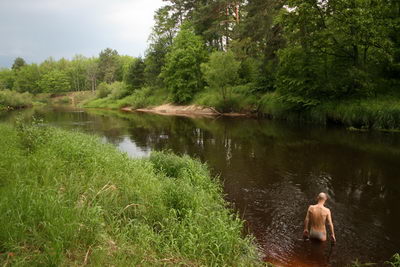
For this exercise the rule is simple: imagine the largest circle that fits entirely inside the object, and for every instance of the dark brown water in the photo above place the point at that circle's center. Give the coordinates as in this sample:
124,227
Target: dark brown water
272,171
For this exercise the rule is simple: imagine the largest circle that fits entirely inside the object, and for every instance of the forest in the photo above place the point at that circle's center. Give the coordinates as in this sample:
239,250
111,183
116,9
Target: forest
321,61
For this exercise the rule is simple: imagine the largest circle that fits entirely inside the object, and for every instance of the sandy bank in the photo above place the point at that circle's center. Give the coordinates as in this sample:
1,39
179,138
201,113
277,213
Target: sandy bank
189,111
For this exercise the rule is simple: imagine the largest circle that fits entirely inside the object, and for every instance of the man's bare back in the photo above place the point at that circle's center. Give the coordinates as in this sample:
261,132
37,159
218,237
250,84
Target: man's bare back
315,221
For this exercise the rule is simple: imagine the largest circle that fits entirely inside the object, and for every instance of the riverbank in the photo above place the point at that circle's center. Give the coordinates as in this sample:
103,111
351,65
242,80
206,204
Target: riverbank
91,204
74,99
10,100
187,111
380,113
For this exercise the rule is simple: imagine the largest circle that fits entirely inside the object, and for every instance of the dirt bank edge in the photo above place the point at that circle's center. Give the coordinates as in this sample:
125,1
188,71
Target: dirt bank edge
181,110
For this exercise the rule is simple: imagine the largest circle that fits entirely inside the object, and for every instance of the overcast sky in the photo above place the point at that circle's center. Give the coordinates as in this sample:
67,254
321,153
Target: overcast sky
38,29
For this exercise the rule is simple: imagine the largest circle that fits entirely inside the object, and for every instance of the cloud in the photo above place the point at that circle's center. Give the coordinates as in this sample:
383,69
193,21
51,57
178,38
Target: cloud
38,29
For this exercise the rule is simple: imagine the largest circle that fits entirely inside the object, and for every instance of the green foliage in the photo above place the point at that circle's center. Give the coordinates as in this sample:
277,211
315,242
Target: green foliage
140,98
91,204
222,72
63,100
32,135
55,81
161,39
113,91
335,50
118,90
103,90
109,66
296,78
135,78
27,79
380,113
240,99
18,63
77,71
181,73
14,100
395,260
7,78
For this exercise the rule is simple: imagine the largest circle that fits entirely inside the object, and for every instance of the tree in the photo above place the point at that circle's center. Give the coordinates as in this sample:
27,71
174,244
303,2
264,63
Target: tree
125,63
221,72
7,78
135,77
92,73
181,73
77,72
214,20
27,78
335,49
19,62
161,38
55,81
108,65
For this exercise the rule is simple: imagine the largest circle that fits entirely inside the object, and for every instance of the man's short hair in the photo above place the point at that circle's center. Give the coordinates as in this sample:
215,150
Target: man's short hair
322,196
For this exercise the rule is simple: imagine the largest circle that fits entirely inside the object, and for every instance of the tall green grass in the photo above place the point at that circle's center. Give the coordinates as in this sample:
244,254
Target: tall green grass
380,113
14,100
140,98
369,113
394,261
67,199
239,99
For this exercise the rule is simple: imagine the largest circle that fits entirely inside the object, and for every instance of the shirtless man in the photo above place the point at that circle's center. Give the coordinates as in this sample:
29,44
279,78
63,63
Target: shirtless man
316,218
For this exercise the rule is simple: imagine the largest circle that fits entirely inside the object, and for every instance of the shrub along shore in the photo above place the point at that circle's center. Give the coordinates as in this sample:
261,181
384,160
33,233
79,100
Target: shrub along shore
67,199
10,100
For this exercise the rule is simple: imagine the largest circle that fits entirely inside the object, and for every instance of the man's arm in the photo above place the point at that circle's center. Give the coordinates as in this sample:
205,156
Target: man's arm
306,221
331,226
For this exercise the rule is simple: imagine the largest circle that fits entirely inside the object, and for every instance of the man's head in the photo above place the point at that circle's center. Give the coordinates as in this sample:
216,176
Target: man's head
322,197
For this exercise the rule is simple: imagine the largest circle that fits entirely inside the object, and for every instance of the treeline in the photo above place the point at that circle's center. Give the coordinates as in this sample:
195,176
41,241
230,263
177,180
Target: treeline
307,51
78,74
277,57
273,56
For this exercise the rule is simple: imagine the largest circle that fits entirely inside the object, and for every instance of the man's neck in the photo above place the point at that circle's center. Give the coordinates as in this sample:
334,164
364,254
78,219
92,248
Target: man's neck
321,203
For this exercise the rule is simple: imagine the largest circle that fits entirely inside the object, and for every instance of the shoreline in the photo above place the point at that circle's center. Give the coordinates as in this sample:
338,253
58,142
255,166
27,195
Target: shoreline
185,111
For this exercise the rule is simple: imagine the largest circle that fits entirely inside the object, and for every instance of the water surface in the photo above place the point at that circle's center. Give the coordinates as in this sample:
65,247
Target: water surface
271,172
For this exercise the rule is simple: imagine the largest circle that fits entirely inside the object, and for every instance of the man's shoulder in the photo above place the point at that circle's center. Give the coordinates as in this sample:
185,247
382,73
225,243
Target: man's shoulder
327,210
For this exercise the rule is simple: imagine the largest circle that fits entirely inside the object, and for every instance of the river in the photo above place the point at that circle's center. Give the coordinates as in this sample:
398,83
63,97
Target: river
271,172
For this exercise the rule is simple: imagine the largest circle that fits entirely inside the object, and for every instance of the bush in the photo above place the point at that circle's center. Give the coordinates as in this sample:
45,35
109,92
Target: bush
222,72
103,90
118,90
32,136
14,100
113,91
239,100
91,204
